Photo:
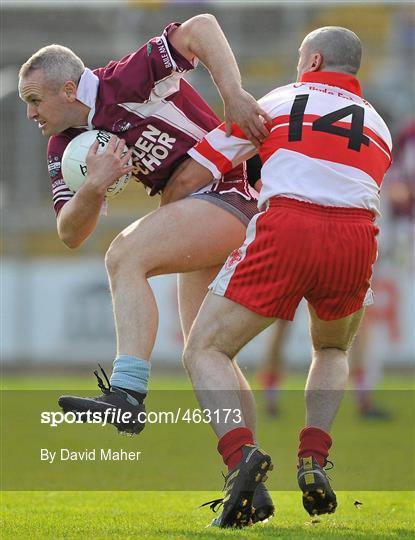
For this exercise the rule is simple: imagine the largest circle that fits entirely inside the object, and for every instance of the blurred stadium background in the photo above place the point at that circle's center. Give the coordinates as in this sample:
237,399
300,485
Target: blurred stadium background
55,303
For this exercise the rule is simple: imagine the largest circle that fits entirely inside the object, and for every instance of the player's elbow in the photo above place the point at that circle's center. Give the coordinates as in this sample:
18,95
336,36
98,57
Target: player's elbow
70,234
69,237
72,245
188,38
206,18
70,241
203,22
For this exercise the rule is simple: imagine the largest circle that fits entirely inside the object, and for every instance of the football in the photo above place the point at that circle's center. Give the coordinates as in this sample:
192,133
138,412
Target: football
74,168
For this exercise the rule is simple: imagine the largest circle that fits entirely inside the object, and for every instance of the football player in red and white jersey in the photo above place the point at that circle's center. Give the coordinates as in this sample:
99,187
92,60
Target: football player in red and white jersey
323,164
144,99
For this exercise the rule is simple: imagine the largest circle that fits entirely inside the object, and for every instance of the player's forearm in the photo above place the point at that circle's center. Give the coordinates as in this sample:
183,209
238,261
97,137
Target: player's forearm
208,43
202,37
79,216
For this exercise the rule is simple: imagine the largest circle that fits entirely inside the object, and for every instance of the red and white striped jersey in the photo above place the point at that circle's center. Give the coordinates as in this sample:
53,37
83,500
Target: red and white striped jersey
327,145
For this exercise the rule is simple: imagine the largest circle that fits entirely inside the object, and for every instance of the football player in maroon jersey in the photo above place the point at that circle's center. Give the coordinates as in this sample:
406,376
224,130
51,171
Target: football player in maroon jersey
144,100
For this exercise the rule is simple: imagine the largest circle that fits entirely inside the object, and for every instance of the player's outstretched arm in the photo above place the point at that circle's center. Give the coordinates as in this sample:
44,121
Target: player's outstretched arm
79,216
202,37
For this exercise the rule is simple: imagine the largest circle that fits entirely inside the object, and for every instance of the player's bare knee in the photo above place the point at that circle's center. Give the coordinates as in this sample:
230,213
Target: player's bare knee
194,353
120,255
330,355
114,256
123,254
198,345
190,355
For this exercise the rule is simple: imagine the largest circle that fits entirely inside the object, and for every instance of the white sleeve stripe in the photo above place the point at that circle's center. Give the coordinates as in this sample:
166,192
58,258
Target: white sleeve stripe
68,194
65,192
60,189
59,199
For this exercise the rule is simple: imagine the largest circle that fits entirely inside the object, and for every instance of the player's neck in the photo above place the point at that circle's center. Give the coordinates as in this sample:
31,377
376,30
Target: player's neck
80,114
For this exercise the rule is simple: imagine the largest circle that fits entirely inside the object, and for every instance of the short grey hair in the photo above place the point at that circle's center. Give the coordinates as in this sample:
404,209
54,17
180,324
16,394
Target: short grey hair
58,63
340,48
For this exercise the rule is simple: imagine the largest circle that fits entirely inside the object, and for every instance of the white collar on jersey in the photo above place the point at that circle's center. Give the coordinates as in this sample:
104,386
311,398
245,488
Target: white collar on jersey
87,92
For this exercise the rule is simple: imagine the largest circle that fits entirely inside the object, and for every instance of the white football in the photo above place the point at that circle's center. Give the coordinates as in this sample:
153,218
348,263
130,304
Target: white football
74,168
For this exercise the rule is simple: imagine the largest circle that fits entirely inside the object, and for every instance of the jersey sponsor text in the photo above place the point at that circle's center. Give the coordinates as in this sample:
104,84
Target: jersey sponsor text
151,148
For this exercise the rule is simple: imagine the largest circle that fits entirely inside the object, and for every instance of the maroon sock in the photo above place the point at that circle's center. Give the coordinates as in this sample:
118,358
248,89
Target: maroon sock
229,446
314,442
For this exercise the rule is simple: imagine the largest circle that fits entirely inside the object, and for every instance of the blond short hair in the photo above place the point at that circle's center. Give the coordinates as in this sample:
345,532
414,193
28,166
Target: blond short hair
58,63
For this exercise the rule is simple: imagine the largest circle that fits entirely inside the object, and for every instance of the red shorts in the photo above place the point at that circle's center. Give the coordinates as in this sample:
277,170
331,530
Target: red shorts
298,250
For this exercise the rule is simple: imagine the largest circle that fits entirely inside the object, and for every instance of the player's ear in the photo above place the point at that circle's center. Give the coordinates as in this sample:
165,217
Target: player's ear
316,62
69,89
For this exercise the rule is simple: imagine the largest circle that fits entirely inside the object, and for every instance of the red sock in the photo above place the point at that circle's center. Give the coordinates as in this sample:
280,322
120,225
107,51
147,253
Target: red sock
229,446
314,442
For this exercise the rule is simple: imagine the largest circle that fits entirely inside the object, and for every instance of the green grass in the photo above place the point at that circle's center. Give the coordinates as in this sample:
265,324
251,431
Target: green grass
175,514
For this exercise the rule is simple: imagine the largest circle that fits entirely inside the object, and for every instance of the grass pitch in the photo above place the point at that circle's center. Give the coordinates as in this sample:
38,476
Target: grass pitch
175,514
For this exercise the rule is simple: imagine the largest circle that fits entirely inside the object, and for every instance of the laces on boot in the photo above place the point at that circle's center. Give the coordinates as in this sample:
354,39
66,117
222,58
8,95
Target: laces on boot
213,505
216,503
104,389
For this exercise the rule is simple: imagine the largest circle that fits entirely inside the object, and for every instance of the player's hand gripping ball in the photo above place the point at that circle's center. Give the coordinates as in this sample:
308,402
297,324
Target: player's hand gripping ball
74,168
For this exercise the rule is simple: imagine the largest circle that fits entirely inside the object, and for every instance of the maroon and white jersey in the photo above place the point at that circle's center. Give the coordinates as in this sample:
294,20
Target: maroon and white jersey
327,145
144,99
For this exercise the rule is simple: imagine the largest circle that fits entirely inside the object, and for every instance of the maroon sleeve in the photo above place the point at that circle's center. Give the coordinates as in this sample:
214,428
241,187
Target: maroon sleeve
182,64
60,191
135,76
